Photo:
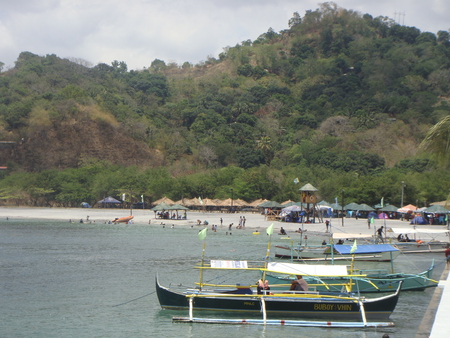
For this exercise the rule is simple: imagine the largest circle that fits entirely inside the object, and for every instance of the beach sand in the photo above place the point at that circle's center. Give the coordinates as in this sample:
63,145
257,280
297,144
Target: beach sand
254,221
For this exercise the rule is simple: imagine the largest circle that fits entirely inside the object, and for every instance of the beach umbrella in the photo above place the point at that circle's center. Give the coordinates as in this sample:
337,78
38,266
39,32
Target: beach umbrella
288,203
164,200
240,203
257,202
209,202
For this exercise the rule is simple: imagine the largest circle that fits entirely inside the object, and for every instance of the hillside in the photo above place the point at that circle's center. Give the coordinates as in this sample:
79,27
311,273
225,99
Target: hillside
337,90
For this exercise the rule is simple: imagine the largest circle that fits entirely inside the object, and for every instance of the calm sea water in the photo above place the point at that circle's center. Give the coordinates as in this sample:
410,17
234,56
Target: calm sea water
61,279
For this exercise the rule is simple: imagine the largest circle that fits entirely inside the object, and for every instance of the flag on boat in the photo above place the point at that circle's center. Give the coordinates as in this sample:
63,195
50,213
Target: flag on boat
382,201
202,234
200,200
354,247
296,180
270,230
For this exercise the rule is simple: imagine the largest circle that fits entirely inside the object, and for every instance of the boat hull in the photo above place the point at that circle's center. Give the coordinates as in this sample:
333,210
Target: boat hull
425,247
305,306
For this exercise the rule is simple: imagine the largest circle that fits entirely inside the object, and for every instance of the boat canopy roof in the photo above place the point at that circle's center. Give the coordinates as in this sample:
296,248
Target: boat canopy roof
364,248
342,235
419,231
307,269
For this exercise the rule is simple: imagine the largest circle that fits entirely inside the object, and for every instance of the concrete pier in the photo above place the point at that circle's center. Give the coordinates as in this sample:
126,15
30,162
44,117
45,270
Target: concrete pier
435,322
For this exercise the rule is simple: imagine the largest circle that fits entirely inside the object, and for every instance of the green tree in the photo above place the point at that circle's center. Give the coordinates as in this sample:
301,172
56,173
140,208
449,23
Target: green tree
437,141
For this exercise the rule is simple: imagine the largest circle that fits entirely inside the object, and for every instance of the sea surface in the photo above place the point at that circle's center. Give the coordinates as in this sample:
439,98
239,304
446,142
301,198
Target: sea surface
62,279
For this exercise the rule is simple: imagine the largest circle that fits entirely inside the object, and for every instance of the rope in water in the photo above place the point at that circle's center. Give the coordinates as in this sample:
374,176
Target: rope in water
148,294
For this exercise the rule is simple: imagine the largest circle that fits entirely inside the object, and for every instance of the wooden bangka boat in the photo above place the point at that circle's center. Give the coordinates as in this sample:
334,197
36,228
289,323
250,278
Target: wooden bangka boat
287,304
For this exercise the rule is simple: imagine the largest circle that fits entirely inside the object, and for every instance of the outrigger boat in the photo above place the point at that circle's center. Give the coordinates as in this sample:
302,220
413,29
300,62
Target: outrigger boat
298,305
417,245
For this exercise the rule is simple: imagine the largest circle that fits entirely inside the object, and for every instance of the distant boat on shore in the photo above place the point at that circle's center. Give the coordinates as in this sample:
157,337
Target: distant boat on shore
125,219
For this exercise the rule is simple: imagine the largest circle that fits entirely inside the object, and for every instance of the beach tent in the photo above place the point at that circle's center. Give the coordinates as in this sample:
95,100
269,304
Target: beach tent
383,215
291,208
419,220
109,202
372,214
85,205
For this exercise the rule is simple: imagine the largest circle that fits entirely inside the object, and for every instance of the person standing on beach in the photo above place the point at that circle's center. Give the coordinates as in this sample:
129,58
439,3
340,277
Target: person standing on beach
221,221
327,225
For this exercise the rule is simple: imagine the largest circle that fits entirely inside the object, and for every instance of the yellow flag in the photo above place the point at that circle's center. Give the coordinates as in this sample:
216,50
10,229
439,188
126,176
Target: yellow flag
354,247
270,230
202,234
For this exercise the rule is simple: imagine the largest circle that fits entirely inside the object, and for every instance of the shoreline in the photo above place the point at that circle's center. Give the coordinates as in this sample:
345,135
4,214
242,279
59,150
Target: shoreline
253,220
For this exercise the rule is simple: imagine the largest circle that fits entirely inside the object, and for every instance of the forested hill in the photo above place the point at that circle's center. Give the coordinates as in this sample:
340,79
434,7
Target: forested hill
337,93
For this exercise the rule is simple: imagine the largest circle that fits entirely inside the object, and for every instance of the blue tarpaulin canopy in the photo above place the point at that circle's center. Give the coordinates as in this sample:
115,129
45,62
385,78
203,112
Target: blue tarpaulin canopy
364,248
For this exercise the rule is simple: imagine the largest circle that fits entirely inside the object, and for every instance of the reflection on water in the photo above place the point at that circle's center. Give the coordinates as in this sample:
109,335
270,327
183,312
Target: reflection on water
76,280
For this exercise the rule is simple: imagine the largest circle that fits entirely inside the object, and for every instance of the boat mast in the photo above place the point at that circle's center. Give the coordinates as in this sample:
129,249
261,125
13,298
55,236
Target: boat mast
202,264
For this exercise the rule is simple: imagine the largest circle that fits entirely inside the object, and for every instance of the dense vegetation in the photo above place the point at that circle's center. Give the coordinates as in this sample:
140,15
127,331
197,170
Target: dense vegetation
339,99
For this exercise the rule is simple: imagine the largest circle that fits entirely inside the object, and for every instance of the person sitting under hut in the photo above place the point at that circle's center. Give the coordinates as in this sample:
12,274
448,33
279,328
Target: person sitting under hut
299,284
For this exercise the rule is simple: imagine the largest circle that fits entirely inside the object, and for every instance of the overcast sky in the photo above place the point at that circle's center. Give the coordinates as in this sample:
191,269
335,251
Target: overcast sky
139,31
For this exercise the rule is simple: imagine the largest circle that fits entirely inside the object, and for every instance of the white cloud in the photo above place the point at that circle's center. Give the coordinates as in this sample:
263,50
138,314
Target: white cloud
139,31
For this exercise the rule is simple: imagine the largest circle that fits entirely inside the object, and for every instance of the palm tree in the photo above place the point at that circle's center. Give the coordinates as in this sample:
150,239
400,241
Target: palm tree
264,144
437,141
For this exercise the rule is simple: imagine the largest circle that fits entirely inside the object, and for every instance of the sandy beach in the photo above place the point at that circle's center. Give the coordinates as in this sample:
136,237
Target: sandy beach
253,220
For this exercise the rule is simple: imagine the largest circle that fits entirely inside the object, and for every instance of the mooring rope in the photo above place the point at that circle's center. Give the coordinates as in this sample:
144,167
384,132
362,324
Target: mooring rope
148,294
